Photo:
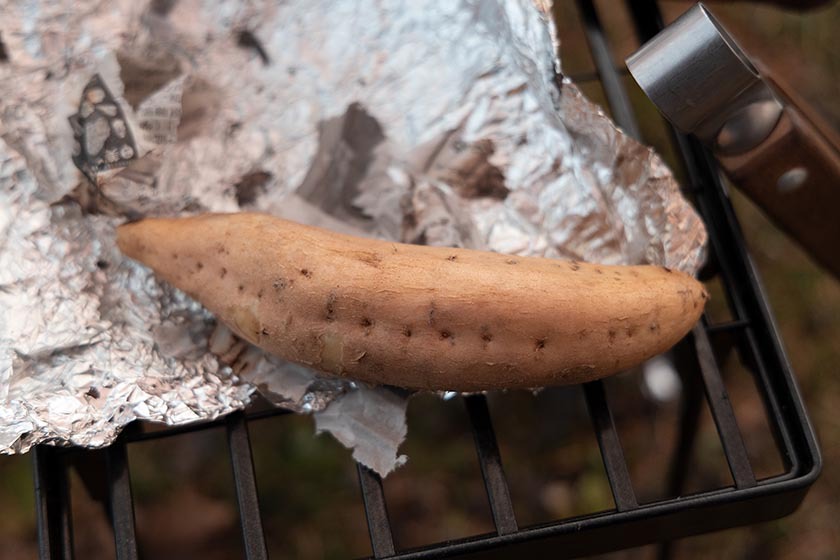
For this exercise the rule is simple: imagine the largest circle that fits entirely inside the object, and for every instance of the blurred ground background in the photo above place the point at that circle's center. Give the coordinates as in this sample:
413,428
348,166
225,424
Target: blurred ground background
309,495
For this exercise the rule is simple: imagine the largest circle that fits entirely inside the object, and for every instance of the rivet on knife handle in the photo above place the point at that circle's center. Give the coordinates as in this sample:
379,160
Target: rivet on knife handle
767,141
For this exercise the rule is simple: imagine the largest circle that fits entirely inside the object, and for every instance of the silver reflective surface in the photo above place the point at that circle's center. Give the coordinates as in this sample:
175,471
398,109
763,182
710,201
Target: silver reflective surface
420,121
698,76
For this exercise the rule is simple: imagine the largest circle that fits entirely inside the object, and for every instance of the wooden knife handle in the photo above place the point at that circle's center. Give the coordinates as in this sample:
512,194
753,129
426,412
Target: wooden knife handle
794,176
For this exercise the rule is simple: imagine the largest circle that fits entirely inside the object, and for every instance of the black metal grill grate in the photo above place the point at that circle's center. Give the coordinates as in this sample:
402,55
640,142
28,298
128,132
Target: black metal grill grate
630,524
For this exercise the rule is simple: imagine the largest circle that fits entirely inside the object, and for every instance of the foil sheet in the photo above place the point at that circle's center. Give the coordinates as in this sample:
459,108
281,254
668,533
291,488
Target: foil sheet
430,122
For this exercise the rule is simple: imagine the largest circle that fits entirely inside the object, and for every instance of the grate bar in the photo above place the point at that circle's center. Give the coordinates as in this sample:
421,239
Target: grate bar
732,336
239,445
170,431
646,17
716,394
617,98
586,77
490,460
724,416
52,504
611,451
715,207
726,241
596,399
121,502
773,407
376,512
729,326
691,406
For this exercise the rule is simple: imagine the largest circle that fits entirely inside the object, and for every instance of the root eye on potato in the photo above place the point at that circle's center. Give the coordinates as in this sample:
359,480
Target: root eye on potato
379,311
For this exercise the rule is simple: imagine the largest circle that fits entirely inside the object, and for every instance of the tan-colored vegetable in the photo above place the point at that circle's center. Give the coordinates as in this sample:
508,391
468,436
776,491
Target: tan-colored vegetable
415,316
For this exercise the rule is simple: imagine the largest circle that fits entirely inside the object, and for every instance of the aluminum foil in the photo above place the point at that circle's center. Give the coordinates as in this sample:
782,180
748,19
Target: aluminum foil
430,122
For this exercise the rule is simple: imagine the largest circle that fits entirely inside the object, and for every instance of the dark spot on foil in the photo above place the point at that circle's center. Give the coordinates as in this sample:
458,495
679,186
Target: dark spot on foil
470,172
558,81
4,54
246,39
250,186
358,133
162,7
102,264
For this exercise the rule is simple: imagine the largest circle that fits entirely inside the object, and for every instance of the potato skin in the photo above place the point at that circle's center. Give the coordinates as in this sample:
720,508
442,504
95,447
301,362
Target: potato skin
415,316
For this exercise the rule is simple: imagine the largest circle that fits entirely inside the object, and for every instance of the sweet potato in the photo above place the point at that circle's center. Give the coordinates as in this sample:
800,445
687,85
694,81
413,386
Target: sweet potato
415,316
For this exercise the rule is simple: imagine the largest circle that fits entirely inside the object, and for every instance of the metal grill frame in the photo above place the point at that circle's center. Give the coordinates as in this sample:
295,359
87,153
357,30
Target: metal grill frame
752,333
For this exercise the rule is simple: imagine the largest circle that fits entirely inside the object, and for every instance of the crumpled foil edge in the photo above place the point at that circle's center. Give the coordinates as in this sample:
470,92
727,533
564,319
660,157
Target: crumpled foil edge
425,127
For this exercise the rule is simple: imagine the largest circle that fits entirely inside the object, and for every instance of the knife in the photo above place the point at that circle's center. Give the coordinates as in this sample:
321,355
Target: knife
768,141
